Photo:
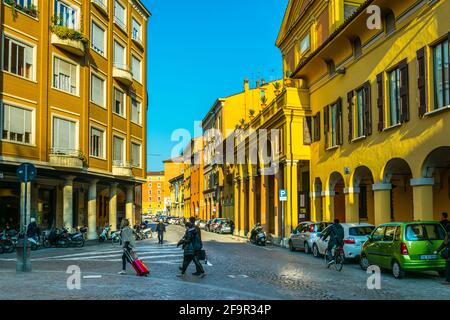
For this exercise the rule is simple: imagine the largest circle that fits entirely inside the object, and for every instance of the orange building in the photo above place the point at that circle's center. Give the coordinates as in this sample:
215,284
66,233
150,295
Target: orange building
72,102
154,193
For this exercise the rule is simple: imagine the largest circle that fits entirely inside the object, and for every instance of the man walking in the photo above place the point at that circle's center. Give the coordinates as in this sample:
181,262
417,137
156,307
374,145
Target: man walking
445,222
160,228
191,243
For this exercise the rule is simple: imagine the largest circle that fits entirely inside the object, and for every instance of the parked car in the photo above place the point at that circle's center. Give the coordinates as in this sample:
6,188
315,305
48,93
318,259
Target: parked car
201,224
215,224
405,246
224,226
355,235
305,234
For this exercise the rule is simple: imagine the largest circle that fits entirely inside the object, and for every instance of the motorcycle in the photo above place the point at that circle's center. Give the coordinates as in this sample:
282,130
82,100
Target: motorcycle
8,241
139,233
35,243
74,239
104,235
258,236
116,237
55,238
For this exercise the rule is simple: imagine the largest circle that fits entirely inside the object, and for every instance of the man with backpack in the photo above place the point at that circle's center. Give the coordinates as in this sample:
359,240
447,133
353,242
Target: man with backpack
191,243
336,235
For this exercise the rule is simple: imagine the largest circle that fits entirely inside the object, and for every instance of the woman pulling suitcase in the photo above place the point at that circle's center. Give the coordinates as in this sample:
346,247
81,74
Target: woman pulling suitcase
129,243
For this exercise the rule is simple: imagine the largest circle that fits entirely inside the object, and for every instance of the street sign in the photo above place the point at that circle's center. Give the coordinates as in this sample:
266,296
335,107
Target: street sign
283,195
26,172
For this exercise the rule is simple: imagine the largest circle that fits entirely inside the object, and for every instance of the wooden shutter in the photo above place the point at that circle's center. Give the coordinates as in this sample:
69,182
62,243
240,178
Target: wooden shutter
380,101
350,96
404,91
422,82
367,109
307,131
339,122
326,119
317,127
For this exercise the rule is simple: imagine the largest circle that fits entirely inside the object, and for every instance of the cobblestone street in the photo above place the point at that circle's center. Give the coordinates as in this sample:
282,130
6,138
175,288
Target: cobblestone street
236,270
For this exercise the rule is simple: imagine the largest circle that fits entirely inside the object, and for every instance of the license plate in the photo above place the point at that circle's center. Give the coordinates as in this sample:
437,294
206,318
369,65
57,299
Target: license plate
428,257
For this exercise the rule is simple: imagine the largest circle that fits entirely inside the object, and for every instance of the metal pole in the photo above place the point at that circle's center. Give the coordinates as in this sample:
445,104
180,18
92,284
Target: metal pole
282,222
25,240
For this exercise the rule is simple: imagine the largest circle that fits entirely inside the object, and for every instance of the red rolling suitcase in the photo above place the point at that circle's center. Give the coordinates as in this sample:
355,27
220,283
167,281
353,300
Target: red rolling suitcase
141,269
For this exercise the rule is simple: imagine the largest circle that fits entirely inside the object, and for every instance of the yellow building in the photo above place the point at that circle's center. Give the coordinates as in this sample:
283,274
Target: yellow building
73,102
174,176
379,101
154,191
222,119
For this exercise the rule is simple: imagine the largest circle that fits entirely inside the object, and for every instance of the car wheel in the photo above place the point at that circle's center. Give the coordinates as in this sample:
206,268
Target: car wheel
291,246
315,251
364,262
397,270
307,248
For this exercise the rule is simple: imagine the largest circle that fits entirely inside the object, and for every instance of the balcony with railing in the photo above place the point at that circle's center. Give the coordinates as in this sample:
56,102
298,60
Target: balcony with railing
66,158
26,7
67,38
122,73
101,5
137,39
122,168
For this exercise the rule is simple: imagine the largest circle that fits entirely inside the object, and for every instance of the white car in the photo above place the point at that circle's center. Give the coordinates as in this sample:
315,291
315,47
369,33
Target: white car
355,234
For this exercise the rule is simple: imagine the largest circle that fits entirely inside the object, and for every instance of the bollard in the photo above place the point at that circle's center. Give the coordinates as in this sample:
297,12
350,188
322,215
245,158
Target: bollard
21,265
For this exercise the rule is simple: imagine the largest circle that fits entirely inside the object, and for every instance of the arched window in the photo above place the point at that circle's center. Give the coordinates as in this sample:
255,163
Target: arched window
389,22
357,47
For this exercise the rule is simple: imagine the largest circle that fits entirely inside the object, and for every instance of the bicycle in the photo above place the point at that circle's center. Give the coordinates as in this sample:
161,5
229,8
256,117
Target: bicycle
338,256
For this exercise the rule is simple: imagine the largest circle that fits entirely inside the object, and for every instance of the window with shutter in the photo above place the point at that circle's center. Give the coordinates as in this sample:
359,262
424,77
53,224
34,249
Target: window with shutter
380,101
367,109
326,119
339,126
97,144
119,102
316,127
98,39
404,91
16,124
350,97
118,151
394,97
441,75
307,130
64,136
18,58
119,55
120,14
65,76
422,82
135,110
135,155
98,90
136,68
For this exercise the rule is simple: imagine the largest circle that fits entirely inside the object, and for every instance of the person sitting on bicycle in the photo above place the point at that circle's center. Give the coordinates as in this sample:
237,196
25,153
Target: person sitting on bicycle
336,235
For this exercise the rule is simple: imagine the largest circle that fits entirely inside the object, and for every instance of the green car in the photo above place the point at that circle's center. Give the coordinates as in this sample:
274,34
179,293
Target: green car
405,246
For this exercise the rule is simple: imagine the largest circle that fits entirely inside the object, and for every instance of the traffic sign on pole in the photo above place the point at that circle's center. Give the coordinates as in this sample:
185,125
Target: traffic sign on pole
283,195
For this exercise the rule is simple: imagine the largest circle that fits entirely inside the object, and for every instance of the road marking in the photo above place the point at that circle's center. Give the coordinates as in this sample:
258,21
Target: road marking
92,277
237,276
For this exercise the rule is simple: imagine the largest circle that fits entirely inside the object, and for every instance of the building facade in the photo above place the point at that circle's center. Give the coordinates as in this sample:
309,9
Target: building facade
73,102
154,191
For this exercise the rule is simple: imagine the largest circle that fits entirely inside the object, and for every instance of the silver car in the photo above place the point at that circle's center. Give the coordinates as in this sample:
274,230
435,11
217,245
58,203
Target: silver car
304,236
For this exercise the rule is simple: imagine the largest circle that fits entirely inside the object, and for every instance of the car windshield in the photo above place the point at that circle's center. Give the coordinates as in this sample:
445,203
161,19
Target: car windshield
420,232
361,231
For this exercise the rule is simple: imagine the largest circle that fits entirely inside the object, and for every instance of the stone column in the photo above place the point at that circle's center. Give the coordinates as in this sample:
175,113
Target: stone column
242,208
92,210
236,206
423,198
129,205
291,205
113,206
68,202
276,203
316,206
252,201
328,205
351,204
382,202
264,205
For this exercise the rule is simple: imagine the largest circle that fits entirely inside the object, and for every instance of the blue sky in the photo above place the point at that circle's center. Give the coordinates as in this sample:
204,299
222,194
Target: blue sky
202,50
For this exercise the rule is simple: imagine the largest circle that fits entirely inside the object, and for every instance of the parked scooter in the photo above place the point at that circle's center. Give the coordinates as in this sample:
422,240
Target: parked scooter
8,240
258,235
56,239
104,235
75,239
116,237
36,243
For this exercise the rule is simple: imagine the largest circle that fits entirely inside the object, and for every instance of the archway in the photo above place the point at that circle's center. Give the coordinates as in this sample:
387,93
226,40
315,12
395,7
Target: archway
363,180
336,185
437,165
398,173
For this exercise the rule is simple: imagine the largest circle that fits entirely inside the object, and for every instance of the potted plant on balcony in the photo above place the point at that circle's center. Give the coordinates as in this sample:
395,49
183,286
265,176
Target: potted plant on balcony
263,101
251,114
64,32
242,124
277,87
30,10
